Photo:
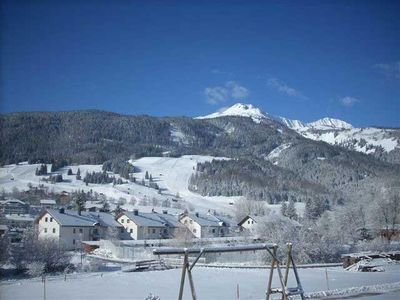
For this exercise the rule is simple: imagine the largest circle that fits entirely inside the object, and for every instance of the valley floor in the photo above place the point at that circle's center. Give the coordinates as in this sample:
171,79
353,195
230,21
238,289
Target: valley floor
210,283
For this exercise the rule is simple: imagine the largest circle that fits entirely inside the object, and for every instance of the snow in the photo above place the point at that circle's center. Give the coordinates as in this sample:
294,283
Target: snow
274,154
171,174
365,138
241,110
329,124
293,124
178,136
252,284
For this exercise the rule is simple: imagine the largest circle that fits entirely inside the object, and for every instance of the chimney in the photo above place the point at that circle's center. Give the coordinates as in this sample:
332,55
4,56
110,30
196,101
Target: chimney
165,212
136,212
61,210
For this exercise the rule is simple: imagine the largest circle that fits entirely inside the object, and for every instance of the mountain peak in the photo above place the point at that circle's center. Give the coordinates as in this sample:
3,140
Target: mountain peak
330,124
240,110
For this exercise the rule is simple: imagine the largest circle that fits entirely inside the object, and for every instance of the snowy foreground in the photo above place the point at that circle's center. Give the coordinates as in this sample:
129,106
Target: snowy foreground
210,283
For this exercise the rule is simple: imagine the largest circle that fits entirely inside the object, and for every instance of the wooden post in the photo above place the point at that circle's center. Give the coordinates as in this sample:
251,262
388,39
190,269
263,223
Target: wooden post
271,272
183,277
288,261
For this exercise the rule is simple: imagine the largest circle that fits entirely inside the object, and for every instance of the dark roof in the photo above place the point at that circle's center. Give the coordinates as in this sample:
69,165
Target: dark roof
153,219
72,218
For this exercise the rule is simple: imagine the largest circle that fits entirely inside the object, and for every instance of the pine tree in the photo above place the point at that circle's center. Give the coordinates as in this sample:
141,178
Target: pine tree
151,178
284,208
80,202
69,172
291,211
78,174
147,175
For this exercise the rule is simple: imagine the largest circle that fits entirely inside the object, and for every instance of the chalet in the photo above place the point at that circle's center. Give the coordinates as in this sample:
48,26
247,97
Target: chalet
19,220
205,225
249,222
143,226
13,206
69,227
48,203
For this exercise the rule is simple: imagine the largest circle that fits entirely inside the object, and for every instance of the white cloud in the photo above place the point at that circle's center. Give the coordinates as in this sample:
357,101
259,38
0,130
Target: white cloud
283,88
348,101
230,91
390,70
237,91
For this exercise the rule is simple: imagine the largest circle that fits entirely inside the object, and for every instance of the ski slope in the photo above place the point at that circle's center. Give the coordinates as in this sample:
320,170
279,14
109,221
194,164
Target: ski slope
171,174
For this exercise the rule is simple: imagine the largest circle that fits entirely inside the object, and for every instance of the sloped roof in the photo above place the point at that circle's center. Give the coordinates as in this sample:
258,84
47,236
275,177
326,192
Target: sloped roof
209,219
255,218
153,219
72,218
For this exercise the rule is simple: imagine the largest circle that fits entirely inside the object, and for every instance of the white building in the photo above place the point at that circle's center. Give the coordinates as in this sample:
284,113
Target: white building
69,227
249,222
206,225
142,226
48,203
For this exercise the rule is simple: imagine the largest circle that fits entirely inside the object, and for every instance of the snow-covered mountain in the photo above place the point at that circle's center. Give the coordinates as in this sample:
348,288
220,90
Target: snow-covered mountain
240,110
333,131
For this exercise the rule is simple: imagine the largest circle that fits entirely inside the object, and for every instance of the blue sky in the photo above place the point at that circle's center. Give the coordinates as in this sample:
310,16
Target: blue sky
299,59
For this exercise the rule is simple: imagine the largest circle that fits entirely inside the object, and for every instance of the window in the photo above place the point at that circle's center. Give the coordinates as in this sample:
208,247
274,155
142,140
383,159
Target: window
191,221
51,219
80,230
148,230
213,231
122,221
252,222
46,219
54,230
74,230
45,230
154,230
194,230
127,220
73,242
248,222
131,230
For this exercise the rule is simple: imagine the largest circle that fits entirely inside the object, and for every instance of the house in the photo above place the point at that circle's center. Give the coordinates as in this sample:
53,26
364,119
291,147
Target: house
19,220
206,225
70,227
143,226
13,206
3,229
48,203
249,222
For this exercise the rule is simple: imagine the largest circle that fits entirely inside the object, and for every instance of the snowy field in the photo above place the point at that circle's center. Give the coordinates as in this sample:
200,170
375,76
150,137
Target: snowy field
171,175
210,283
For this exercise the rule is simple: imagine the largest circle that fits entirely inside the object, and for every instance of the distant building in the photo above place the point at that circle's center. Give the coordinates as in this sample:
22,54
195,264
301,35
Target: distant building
206,225
48,203
13,206
249,222
19,220
3,230
142,226
69,228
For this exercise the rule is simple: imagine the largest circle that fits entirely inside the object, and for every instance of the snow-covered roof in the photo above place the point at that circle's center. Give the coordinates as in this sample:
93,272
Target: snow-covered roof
209,219
48,201
20,217
72,218
153,219
11,201
255,218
